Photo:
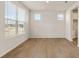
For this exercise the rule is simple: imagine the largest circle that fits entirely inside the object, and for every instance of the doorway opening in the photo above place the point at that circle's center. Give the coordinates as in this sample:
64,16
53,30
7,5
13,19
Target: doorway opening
74,17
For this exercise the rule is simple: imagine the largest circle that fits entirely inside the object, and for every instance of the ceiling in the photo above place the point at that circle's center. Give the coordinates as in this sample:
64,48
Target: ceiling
51,5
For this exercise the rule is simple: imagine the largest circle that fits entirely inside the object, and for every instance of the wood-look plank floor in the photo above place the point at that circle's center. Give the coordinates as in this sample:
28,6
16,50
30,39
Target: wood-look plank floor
44,48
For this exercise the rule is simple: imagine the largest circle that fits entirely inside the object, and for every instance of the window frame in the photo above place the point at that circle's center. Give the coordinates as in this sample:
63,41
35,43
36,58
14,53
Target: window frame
9,19
60,16
37,16
16,21
20,20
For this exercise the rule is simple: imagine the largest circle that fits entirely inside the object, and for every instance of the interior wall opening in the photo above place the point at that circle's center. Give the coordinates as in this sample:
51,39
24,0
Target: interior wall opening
75,26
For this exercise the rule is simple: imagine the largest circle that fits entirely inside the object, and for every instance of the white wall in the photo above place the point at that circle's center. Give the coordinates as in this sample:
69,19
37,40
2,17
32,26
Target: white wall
48,26
8,44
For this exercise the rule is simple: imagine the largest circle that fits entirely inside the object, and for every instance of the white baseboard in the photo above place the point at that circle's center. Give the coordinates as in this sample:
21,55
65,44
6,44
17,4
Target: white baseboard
49,37
69,39
5,52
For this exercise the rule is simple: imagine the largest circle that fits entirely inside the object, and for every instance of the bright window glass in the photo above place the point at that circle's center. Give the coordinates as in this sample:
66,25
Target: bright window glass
60,17
21,21
37,16
14,19
10,19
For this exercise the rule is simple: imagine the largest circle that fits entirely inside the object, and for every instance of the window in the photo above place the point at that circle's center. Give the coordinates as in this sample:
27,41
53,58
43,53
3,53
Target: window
37,17
21,21
60,17
14,20
10,18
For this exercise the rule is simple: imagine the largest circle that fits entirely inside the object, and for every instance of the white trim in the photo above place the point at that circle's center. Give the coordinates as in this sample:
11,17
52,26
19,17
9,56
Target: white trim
69,39
77,45
48,37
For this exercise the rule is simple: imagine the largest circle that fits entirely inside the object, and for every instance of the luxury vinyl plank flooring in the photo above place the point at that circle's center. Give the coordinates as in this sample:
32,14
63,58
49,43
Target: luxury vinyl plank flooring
44,48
